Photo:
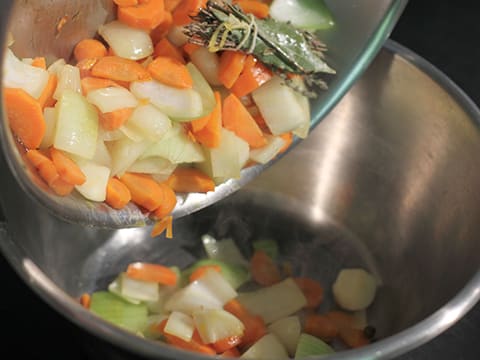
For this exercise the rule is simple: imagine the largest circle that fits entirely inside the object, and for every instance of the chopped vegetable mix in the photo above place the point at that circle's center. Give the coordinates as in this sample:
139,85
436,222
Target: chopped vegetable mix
172,96
220,306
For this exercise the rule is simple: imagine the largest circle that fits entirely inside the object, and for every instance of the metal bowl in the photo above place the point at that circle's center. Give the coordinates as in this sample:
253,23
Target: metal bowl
388,181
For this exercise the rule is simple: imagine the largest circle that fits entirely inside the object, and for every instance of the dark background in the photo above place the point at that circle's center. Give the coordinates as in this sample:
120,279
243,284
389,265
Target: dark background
446,35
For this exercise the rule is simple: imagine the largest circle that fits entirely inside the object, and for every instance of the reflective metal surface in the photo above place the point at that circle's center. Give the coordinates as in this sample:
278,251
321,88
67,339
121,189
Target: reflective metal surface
52,27
388,181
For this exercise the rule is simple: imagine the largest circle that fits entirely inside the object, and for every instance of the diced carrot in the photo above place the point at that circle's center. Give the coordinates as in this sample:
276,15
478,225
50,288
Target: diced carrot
88,49
46,97
165,48
288,138
40,62
168,203
312,290
227,343
236,118
25,116
85,300
353,338
91,83
170,72
170,5
210,134
163,28
118,195
152,272
254,325
67,168
201,270
185,10
45,167
190,48
231,66
320,326
117,68
198,124
254,75
188,180
264,270
257,8
147,14
341,319
61,187
163,225
145,191
85,66
114,119
123,3
231,353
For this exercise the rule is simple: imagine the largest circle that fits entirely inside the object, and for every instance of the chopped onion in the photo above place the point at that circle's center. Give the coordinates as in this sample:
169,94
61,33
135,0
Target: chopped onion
138,289
17,74
68,79
217,324
266,153
150,122
288,331
127,42
50,117
208,64
112,98
95,186
267,348
153,165
124,153
180,325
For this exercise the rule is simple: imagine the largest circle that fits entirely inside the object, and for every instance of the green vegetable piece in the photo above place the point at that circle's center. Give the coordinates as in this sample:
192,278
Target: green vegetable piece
236,275
224,250
268,246
309,345
306,14
132,317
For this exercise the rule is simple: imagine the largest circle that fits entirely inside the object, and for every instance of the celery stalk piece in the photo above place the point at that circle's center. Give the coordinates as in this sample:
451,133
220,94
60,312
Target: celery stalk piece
111,308
309,345
236,275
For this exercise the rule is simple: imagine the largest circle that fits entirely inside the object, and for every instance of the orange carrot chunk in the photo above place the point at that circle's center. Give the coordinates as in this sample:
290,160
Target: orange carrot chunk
231,353
264,270
123,3
163,225
40,62
168,203
170,5
61,187
166,48
210,133
85,66
257,8
231,66
288,138
152,272
254,325
188,180
254,75
201,270
147,14
118,195
117,68
145,191
353,338
114,119
163,28
236,118
45,167
312,290
67,168
170,72
320,326
85,300
88,49
25,117
185,10
46,97
227,343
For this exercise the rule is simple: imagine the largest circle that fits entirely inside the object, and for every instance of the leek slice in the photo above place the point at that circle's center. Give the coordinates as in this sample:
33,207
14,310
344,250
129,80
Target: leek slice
309,345
119,312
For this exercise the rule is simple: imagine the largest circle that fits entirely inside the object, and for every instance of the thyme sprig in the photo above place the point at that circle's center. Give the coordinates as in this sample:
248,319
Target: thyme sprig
285,49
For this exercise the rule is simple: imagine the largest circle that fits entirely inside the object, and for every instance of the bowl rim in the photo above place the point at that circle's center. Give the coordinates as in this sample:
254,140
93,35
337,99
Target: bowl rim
400,343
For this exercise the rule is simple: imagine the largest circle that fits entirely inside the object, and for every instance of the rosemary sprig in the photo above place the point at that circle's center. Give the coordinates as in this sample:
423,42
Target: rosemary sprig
285,49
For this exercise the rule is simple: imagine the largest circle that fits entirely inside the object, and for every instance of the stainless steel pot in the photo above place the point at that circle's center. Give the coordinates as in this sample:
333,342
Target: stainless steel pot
389,181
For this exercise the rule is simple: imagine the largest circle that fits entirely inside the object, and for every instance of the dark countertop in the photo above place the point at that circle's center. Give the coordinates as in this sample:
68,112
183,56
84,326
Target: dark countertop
447,36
